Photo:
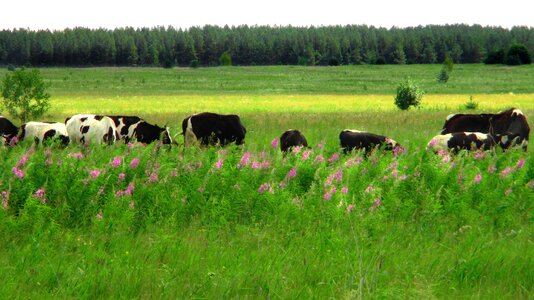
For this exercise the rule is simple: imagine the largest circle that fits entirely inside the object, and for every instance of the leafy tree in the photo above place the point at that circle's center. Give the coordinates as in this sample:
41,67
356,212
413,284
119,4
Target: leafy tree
495,57
24,94
517,55
225,59
408,94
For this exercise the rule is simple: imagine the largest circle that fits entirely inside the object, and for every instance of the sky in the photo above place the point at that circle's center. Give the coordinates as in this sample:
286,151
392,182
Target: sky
61,14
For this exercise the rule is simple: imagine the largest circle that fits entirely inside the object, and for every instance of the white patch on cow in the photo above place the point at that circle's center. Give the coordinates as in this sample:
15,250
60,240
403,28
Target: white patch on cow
480,136
516,112
504,139
33,130
119,129
74,125
439,142
190,138
450,117
353,130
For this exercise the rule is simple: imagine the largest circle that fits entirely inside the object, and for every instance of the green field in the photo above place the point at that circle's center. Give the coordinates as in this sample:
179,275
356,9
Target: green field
307,225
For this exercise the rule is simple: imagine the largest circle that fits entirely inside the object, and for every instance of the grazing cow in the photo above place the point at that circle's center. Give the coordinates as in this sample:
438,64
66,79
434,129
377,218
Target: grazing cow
42,132
147,133
354,139
292,138
135,128
510,121
91,129
7,130
473,140
467,123
212,129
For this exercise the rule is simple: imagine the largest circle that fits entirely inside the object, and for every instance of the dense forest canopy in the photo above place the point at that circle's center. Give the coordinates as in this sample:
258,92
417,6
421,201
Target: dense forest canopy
258,45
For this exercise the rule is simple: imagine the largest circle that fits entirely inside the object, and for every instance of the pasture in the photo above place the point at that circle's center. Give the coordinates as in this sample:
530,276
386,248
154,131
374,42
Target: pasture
149,222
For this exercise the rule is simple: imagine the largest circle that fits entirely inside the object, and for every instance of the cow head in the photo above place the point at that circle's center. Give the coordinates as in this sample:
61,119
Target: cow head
165,135
509,139
235,129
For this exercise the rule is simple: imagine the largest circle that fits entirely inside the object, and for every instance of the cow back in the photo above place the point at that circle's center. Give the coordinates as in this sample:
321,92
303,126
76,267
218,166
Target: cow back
467,123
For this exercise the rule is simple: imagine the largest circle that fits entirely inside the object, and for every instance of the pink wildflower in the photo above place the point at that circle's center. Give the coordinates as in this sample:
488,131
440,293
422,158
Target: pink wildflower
395,173
255,165
76,155
265,187
153,177
95,173
18,172
244,160
318,158
333,189
129,190
320,145
338,175
99,215
327,196
344,190
432,142
479,155
40,193
13,141
402,177
119,193
531,184
121,177
219,164
350,207
130,146
369,189
492,169
333,158
292,173
5,199
134,163
116,162
508,191
131,205
201,190
505,172
274,143
306,154
385,178
377,202
519,164
477,179
296,149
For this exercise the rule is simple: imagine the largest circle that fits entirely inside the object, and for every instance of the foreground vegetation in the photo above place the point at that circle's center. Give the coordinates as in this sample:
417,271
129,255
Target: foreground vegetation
150,222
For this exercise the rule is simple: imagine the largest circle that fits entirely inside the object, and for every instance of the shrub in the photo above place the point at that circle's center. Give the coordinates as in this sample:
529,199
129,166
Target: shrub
408,94
225,59
518,54
470,105
443,75
24,94
495,57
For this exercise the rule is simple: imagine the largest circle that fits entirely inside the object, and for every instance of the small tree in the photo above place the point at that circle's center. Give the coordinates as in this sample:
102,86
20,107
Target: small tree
408,94
225,59
24,94
517,55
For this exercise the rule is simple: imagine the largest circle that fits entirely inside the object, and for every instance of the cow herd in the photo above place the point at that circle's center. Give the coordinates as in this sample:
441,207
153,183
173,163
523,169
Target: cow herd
461,131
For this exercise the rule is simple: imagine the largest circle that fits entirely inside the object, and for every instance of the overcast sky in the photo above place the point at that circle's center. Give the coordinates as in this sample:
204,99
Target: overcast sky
61,14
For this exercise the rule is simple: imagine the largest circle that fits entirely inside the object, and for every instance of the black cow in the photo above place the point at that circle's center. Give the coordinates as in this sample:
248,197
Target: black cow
473,140
467,123
7,130
212,129
292,138
511,121
354,139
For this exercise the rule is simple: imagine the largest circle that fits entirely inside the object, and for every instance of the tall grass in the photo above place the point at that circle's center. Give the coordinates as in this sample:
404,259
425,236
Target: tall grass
238,223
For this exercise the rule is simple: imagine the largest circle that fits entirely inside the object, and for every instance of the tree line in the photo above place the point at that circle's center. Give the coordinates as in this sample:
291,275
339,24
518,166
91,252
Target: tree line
258,45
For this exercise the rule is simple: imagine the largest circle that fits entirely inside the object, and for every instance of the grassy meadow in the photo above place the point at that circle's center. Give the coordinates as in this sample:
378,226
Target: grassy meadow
248,222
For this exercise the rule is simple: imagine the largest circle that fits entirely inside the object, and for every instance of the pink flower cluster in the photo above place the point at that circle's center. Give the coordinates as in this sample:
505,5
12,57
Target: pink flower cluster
244,160
128,191
5,199
264,187
76,155
40,194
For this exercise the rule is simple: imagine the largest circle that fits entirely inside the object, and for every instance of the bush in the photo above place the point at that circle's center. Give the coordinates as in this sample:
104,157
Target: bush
24,94
495,57
518,54
443,75
408,94
225,59
470,105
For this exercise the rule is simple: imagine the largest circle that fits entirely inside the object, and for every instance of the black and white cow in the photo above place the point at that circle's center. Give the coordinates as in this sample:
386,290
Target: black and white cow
212,129
292,138
42,132
7,130
354,139
467,123
511,121
132,128
474,141
91,129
